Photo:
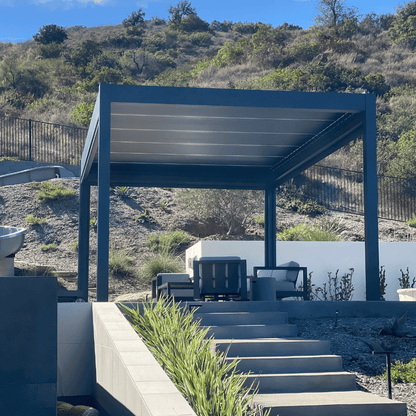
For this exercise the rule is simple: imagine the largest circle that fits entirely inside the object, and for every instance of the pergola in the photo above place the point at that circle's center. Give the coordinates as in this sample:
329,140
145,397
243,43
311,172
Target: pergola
211,138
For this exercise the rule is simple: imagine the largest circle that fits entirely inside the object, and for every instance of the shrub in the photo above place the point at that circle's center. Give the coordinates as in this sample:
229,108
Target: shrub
259,220
181,10
32,220
50,192
166,242
402,372
82,114
300,205
144,218
119,263
49,247
74,246
412,222
210,384
50,34
135,19
305,232
193,23
159,263
404,280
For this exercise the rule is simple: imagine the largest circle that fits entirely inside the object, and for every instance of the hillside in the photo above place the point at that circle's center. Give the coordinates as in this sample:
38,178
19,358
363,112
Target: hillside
159,211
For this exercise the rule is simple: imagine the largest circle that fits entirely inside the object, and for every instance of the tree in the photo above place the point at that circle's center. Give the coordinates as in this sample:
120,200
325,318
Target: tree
403,27
50,34
334,13
135,19
182,9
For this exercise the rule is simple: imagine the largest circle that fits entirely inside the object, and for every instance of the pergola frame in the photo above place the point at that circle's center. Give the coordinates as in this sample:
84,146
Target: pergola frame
230,139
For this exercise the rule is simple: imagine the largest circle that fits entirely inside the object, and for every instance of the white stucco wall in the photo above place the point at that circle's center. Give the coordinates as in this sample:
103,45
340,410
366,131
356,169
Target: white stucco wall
320,258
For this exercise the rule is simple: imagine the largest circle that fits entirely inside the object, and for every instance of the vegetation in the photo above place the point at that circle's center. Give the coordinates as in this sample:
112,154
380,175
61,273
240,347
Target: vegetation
168,242
305,232
32,220
159,263
412,222
49,247
402,372
48,191
405,281
119,264
210,384
74,246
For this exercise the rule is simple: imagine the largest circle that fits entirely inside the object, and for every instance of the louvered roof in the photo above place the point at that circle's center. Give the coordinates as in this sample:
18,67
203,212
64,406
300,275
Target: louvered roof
194,137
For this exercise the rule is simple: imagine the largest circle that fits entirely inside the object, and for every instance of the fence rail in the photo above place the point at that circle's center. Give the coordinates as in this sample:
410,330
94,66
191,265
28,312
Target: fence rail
41,142
343,190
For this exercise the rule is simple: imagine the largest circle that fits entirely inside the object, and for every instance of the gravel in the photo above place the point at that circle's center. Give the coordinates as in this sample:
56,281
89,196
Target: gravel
346,340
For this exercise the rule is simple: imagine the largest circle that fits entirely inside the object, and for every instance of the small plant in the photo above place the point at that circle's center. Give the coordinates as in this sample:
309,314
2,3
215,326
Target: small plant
159,263
412,222
74,246
396,327
119,263
49,247
163,206
9,158
51,192
383,283
310,286
259,220
32,220
166,242
122,191
402,372
404,280
144,218
34,270
337,289
93,222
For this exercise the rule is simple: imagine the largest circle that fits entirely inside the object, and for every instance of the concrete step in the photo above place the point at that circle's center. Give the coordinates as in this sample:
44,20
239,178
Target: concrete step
270,347
339,403
252,331
241,318
302,382
211,307
284,365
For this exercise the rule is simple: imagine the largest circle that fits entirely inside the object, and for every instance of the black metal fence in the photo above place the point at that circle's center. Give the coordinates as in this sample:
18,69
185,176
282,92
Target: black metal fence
41,142
343,190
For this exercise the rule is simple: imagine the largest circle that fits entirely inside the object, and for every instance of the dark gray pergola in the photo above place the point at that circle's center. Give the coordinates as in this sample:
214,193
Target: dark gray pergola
210,138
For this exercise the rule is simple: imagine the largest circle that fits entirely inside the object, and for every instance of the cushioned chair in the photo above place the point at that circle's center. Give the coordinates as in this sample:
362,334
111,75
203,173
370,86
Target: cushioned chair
177,285
220,278
270,283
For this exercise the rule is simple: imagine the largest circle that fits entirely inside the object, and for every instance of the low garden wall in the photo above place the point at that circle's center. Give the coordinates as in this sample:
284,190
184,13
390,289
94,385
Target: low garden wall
320,257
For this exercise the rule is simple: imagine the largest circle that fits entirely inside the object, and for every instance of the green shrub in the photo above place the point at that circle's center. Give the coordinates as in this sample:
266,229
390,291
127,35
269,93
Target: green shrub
305,232
259,220
210,384
166,242
412,222
402,372
32,220
74,246
119,263
144,218
50,192
49,247
300,205
82,114
159,263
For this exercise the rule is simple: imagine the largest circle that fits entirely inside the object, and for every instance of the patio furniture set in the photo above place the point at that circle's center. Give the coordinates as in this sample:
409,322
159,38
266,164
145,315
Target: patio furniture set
225,278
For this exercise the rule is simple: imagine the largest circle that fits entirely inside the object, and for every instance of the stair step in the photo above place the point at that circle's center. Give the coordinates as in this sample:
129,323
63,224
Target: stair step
252,331
241,318
282,365
302,382
272,347
235,306
339,403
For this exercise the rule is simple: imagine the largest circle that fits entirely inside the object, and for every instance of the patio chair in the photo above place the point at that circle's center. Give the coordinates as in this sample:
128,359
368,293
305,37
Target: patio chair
276,283
220,278
177,285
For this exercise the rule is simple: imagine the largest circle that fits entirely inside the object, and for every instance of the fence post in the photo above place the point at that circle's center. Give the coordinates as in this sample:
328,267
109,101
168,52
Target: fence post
30,140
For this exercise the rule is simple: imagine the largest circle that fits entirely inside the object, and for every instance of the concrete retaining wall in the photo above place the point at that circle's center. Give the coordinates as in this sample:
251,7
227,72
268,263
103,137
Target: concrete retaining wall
320,258
10,166
28,347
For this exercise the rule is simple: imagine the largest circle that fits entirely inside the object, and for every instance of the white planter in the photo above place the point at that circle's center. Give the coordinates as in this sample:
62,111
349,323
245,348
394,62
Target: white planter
407,295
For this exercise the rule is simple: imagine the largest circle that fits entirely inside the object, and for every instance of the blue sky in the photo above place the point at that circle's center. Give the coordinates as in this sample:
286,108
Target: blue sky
21,19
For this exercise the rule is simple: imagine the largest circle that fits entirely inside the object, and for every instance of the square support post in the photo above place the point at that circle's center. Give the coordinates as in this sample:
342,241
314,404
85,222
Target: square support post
103,212
270,256
83,237
372,281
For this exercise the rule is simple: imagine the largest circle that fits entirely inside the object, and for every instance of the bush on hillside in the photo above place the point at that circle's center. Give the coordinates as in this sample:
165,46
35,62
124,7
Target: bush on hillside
50,34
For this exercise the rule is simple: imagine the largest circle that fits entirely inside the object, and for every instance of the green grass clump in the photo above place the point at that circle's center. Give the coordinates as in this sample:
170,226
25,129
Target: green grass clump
208,382
51,192
412,222
159,263
49,247
259,220
32,220
119,263
166,242
74,246
305,232
402,372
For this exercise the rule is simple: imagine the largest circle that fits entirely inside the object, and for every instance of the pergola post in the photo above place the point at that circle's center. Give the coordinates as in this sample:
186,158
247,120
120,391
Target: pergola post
103,212
270,256
83,237
371,202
